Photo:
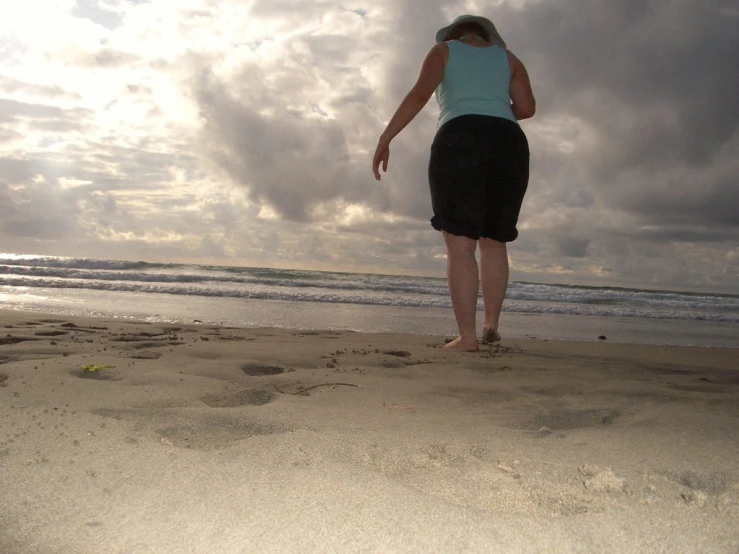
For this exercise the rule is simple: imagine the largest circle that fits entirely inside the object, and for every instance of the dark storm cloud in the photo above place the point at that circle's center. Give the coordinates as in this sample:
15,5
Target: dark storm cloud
573,247
34,211
687,199
295,163
288,161
653,79
658,83
684,234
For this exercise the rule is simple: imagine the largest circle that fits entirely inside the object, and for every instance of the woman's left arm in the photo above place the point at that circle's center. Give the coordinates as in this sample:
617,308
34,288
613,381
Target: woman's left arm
429,78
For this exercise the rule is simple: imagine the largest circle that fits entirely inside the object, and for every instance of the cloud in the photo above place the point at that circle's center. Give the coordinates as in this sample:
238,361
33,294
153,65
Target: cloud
649,86
101,12
14,86
288,159
16,115
34,211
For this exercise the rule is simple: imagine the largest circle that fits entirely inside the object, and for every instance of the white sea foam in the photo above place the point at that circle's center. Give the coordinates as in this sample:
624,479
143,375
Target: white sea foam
21,273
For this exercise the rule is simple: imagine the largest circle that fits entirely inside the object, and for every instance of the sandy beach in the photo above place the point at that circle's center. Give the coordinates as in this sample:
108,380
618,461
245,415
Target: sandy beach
193,438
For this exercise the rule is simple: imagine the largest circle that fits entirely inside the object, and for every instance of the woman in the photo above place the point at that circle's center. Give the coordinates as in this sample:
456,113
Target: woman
479,166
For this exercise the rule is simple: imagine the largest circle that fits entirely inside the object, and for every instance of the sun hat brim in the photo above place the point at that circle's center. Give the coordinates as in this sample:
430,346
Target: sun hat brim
484,22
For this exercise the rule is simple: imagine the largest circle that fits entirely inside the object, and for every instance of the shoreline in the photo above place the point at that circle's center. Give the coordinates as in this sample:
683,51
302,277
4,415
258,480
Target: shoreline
296,315
230,439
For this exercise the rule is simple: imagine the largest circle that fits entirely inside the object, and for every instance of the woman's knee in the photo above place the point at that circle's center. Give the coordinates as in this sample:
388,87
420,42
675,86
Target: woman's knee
459,245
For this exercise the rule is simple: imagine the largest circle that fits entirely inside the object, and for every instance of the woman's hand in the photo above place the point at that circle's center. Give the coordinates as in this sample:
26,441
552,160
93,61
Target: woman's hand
382,156
431,74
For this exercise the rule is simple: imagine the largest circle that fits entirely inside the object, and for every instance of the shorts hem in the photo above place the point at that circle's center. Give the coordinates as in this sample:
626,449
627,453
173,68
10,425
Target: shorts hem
440,224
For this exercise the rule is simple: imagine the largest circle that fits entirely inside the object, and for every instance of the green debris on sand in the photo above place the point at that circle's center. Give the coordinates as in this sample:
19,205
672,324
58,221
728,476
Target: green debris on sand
94,368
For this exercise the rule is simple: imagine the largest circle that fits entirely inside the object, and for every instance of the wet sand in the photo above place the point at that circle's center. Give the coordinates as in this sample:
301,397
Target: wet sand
212,439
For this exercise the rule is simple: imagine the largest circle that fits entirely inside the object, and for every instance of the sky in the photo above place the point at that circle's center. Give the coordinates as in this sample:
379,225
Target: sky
240,132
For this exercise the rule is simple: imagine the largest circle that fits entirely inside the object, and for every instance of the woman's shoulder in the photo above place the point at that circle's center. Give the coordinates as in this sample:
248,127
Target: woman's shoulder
440,49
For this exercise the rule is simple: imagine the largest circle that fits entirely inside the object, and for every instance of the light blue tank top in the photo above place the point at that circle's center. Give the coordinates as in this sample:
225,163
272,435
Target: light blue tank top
476,81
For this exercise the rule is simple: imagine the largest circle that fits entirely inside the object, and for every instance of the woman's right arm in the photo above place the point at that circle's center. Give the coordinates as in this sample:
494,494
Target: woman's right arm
523,102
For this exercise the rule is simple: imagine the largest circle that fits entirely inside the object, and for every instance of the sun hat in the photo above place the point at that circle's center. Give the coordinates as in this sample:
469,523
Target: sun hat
484,22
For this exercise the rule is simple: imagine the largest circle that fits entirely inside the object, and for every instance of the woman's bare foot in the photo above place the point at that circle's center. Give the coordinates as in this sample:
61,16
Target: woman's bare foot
457,344
490,335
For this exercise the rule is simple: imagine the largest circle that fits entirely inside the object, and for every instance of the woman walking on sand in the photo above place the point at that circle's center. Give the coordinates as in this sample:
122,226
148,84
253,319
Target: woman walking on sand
479,166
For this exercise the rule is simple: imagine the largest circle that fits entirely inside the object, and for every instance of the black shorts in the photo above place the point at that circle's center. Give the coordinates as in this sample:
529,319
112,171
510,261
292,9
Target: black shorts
478,174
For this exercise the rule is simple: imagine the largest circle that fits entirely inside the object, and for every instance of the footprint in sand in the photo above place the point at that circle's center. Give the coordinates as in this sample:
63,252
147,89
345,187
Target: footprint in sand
438,455
705,386
560,420
397,353
235,338
257,370
598,479
199,431
14,340
208,434
394,364
709,483
147,356
565,389
247,397
156,344
320,334
471,396
143,344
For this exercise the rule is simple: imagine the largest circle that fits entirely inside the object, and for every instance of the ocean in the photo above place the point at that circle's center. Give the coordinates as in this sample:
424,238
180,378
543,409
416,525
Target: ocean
298,299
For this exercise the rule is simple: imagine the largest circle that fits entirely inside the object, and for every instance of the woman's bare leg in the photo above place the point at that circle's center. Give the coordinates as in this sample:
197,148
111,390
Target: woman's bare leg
494,280
462,279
